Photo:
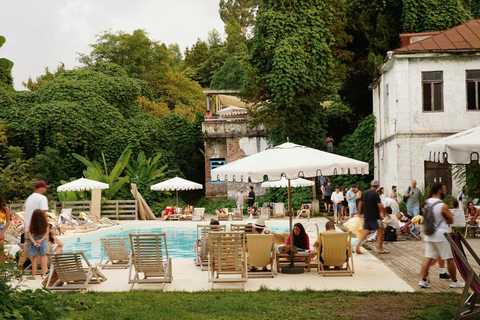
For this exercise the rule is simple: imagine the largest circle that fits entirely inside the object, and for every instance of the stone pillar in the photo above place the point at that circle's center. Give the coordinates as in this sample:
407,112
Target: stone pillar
96,203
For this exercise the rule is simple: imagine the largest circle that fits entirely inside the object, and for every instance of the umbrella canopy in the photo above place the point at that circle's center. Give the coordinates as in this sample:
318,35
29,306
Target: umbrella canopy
291,161
82,184
176,184
460,148
231,111
283,183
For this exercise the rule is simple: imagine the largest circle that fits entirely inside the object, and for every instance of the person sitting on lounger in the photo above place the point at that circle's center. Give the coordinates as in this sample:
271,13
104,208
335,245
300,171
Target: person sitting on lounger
329,228
220,212
300,237
303,210
167,212
187,212
198,243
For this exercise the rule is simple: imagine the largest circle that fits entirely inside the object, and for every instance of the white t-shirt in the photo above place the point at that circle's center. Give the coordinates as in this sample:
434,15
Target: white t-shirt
33,202
439,221
386,202
337,197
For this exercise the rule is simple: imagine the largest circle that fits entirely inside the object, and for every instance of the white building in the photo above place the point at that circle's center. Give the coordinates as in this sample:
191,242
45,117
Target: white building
427,89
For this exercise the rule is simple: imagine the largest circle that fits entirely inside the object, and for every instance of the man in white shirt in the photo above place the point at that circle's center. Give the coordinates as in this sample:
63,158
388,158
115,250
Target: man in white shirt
337,198
37,200
436,246
240,198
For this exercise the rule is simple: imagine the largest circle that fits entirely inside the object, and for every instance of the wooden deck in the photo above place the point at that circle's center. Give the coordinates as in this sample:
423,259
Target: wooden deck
405,259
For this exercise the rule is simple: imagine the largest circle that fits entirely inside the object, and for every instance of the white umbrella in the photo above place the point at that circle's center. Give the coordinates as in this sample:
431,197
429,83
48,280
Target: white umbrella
291,161
231,111
283,183
459,148
176,184
82,184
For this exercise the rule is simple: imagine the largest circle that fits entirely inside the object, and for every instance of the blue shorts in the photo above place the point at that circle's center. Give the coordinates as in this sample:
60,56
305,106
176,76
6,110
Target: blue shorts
352,207
372,225
337,208
329,149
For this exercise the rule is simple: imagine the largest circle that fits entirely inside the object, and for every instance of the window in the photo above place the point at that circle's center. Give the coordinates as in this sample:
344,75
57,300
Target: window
438,172
432,83
215,163
473,89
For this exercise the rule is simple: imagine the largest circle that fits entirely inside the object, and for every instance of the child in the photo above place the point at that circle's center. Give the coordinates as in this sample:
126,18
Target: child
38,234
53,240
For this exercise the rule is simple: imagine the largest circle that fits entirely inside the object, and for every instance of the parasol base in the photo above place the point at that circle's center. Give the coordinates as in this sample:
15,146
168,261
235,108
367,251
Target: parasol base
293,270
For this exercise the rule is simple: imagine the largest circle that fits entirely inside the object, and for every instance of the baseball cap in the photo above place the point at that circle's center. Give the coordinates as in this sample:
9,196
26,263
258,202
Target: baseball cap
41,184
375,183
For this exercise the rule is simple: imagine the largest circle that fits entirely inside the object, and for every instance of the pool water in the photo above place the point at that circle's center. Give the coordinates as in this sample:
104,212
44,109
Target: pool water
180,239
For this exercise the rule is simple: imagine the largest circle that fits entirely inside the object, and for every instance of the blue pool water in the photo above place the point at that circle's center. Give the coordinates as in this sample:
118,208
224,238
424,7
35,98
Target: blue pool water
180,239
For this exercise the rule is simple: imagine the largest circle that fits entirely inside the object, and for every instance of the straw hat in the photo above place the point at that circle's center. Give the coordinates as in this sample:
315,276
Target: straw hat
260,224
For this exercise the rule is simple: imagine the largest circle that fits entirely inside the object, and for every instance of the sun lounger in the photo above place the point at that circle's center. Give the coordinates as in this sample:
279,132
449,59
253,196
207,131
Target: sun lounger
336,253
226,259
265,213
117,253
198,214
69,269
279,210
247,228
237,214
67,219
203,246
261,253
149,256
101,222
472,280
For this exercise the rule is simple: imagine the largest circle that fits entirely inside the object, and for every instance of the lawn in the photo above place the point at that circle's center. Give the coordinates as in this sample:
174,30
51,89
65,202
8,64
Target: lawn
263,304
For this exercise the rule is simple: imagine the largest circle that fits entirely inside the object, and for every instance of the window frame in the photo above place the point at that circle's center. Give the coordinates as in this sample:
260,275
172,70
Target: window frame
217,165
432,92
477,90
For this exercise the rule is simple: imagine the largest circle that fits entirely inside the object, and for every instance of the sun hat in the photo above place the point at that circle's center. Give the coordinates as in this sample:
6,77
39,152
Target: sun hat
41,184
260,223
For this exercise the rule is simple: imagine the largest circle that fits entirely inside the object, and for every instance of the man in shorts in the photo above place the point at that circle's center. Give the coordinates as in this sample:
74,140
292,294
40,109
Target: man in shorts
373,213
328,196
436,246
352,203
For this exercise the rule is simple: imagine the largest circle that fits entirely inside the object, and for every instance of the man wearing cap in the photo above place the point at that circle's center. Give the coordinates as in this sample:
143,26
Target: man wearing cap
37,200
373,213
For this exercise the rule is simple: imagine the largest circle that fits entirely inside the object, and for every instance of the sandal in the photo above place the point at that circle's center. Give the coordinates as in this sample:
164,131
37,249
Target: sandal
383,252
32,277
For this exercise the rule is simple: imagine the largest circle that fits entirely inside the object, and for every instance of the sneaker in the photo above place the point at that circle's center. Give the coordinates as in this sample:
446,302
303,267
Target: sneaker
457,284
444,276
424,283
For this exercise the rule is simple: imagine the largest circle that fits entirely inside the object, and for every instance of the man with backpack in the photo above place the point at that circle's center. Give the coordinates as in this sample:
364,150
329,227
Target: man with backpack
437,216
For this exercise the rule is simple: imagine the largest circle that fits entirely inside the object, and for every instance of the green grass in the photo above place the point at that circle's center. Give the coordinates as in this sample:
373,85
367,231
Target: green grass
262,304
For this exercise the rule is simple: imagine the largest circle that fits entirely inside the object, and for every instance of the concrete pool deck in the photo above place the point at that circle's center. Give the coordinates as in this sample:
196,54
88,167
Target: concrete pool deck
370,272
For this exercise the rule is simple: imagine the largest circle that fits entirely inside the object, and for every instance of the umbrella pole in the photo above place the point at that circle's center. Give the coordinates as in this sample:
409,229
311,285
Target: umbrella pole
291,269
83,197
176,191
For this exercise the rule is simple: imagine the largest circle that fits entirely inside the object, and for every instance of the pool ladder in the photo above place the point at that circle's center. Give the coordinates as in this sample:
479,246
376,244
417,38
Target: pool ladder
316,225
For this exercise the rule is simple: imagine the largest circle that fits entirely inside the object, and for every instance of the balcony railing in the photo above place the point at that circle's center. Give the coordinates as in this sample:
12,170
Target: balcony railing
218,126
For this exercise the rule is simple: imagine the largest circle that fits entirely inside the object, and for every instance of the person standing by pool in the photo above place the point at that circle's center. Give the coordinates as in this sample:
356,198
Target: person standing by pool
240,199
251,202
352,204
38,235
328,196
413,196
373,212
337,198
37,200
4,219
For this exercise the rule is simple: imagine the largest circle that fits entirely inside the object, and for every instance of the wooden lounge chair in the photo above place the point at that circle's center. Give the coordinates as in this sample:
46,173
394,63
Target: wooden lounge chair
69,269
101,222
279,210
247,228
472,280
265,213
226,259
337,254
223,217
149,256
261,253
237,214
117,253
203,245
198,214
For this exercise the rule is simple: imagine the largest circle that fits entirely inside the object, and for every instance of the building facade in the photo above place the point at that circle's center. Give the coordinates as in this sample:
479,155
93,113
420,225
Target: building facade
427,89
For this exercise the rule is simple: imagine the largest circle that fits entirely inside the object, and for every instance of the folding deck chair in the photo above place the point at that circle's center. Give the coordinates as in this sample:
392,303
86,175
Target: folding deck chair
472,280
149,256
237,214
198,214
203,245
226,259
261,253
117,253
279,210
247,228
265,213
336,251
69,269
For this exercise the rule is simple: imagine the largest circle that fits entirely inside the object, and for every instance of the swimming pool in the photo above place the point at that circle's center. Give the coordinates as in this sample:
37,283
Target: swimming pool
180,237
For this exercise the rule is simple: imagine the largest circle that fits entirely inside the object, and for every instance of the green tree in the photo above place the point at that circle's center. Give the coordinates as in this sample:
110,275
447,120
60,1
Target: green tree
295,60
474,8
238,16
231,76
34,85
6,79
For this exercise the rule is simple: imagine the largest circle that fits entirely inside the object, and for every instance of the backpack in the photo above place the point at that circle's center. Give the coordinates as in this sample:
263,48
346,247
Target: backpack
405,199
390,234
429,219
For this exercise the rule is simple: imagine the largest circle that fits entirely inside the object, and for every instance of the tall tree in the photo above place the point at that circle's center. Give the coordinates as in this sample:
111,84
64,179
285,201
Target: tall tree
475,9
296,55
238,16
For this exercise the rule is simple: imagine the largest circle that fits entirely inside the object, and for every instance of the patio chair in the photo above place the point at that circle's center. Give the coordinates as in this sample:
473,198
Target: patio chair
226,259
149,256
247,228
203,246
237,214
117,253
89,219
265,213
336,251
472,280
69,269
279,210
101,222
198,214
261,253
223,217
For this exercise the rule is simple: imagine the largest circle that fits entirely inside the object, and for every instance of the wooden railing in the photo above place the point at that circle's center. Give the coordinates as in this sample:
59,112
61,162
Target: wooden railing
114,209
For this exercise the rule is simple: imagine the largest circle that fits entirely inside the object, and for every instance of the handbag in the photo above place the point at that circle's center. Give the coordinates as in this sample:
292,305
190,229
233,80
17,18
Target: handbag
406,198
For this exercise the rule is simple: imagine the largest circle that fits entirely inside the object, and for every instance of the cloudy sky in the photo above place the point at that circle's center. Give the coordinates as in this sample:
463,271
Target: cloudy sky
43,33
